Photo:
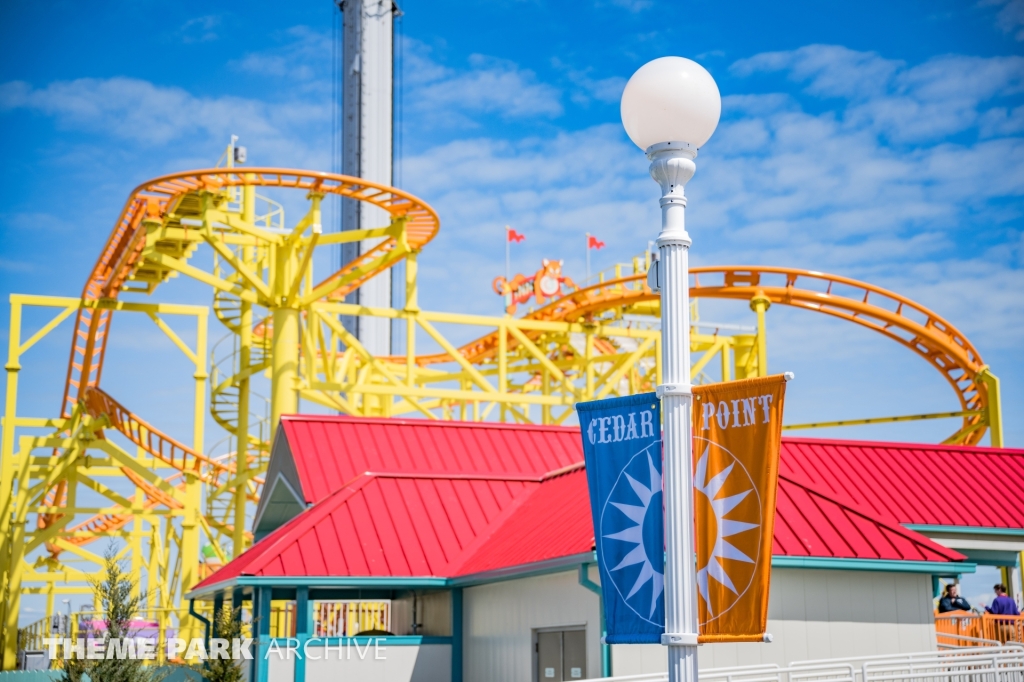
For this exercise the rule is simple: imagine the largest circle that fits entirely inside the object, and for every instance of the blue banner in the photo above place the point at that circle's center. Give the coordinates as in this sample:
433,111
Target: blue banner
622,448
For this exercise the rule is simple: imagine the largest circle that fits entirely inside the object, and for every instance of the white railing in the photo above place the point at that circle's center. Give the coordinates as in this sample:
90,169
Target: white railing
975,666
969,664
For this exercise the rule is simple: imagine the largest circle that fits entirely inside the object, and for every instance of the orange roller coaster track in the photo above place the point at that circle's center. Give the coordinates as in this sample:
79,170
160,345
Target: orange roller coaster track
157,198
896,316
912,325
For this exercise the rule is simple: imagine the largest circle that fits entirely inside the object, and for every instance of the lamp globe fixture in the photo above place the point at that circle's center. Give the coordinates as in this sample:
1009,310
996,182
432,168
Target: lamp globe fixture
671,99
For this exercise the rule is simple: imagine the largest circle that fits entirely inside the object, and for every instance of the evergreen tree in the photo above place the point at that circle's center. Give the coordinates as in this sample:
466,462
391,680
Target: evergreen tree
74,670
228,625
113,592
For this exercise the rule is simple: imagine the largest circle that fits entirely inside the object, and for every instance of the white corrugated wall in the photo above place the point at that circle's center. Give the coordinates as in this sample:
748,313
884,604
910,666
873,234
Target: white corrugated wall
499,620
815,613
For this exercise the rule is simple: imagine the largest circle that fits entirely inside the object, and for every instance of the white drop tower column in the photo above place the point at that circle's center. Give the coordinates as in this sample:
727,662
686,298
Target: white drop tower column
367,95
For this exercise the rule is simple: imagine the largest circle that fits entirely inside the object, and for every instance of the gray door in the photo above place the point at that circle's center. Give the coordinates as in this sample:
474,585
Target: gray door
574,654
549,657
561,655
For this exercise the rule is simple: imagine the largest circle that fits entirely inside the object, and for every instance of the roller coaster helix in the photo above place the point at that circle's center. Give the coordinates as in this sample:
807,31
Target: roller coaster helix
68,481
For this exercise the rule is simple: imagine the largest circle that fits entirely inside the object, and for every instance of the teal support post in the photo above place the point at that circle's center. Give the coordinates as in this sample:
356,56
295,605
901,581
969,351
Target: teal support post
262,627
218,604
606,649
456,635
254,614
302,631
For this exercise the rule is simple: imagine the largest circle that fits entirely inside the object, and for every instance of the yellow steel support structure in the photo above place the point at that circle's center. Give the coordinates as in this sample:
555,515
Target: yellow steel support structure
40,455
64,483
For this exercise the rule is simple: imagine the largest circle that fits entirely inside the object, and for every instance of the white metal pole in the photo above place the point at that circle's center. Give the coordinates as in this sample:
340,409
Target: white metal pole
508,267
671,167
587,280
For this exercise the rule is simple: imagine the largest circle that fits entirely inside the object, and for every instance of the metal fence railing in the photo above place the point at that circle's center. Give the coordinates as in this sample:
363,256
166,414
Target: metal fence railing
282,618
970,629
1001,663
349,618
154,623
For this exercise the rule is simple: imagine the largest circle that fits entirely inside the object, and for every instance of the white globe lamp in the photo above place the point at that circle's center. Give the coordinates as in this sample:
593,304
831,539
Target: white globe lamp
671,99
670,108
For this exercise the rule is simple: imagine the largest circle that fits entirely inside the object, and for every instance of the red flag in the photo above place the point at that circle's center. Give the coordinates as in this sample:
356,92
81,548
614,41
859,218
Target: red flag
514,236
593,243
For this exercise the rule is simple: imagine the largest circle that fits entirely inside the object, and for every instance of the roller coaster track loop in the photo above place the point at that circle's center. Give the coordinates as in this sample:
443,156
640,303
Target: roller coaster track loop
155,199
912,325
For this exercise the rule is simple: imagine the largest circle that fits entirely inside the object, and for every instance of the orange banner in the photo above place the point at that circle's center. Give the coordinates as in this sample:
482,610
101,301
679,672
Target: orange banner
737,431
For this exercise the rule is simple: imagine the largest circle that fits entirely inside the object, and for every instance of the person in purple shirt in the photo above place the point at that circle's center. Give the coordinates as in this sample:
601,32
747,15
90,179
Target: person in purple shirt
1002,605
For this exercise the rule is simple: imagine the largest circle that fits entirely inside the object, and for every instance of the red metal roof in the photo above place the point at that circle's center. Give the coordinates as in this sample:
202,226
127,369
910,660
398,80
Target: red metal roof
554,521
384,525
915,484
330,451
425,520
811,523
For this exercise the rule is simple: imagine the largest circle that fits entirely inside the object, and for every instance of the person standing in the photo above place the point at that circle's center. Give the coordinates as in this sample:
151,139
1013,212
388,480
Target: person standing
1002,605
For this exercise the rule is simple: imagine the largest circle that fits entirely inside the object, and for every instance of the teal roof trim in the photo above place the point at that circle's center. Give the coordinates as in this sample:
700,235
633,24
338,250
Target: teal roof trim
966,530
571,562
382,641
354,582
557,565
885,565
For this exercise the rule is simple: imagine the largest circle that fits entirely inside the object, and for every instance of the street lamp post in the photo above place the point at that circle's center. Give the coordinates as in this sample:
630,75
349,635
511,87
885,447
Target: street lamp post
66,630
670,108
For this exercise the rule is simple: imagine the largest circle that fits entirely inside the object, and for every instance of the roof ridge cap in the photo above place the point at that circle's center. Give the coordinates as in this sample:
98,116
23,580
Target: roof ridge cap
907,533
568,469
343,418
984,449
456,475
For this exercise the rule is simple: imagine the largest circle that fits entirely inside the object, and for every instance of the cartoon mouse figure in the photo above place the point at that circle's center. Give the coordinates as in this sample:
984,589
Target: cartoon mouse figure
545,284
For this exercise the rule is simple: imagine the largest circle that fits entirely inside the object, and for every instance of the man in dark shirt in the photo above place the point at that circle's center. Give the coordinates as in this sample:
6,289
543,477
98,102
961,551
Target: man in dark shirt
1002,605
952,601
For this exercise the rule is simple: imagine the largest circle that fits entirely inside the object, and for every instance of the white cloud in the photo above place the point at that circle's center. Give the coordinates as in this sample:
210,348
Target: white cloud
630,5
608,90
15,266
1010,17
200,29
446,96
943,96
140,111
436,95
833,70
297,59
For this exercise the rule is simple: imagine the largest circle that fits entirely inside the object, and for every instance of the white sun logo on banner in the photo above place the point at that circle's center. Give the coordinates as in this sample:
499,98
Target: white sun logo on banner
638,514
725,528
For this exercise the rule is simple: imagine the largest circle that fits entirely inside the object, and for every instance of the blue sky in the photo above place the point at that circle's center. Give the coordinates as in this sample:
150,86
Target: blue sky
877,140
